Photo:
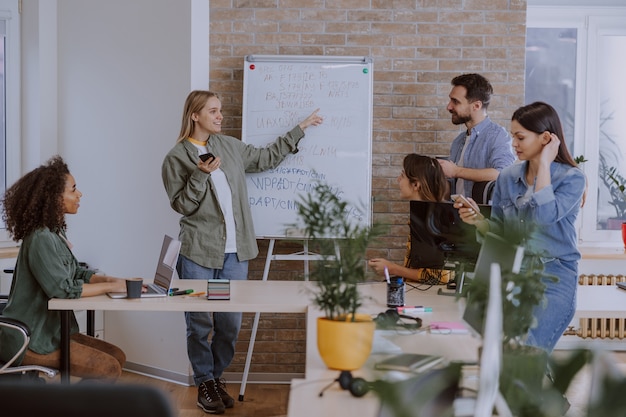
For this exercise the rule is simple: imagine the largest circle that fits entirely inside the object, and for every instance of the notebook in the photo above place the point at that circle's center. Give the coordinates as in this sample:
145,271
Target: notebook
164,274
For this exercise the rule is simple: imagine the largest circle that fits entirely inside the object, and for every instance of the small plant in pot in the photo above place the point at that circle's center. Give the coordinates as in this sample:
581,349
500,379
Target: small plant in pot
341,244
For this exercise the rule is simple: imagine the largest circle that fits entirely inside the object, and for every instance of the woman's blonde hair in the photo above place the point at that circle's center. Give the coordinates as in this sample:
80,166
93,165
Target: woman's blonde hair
195,101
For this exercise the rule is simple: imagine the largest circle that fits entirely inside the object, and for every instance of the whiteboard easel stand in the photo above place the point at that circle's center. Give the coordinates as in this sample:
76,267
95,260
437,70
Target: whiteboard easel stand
305,256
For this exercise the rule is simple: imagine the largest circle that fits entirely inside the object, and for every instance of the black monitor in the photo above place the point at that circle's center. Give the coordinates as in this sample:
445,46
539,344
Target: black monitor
440,238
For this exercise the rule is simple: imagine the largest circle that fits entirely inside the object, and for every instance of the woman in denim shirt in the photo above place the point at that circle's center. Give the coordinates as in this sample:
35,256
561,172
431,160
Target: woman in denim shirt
540,198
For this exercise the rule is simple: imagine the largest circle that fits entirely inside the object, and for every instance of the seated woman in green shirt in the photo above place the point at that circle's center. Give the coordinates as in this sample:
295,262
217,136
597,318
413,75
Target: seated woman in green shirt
34,210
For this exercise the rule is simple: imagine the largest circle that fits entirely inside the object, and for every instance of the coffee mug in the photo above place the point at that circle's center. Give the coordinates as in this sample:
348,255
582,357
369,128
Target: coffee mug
133,287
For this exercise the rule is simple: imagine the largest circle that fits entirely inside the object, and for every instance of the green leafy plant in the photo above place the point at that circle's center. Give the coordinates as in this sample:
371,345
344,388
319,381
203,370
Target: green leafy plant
616,184
523,367
341,244
521,293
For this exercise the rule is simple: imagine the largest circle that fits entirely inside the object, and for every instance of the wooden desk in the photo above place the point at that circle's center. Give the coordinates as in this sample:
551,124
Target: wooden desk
304,399
246,296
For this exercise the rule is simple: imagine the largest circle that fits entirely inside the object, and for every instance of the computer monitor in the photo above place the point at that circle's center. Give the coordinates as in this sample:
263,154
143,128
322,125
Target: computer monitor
493,250
439,238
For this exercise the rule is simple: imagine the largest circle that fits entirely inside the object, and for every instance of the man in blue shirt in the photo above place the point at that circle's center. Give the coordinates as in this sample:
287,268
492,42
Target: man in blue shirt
484,149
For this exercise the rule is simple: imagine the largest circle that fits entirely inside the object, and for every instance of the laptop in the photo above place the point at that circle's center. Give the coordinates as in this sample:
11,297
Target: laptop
164,274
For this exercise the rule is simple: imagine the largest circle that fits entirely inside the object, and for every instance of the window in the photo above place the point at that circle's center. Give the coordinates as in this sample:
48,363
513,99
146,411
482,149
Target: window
574,62
9,100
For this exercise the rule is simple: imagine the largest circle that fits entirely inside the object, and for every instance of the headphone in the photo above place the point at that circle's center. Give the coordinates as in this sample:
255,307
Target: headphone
358,387
392,320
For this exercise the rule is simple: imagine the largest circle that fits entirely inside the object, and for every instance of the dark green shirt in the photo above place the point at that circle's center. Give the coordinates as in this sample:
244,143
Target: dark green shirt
46,268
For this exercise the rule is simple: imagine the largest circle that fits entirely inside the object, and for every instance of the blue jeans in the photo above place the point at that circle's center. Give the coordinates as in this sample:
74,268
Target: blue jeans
209,358
553,319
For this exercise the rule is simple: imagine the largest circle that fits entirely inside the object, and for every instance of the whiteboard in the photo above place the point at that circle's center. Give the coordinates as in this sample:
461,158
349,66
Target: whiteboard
279,91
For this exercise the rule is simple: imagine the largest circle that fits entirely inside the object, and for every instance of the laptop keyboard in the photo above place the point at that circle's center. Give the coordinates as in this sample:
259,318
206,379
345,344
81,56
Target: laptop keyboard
155,289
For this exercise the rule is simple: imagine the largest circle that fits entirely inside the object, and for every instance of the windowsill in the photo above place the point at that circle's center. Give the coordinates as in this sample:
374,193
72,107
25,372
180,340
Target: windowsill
607,253
9,252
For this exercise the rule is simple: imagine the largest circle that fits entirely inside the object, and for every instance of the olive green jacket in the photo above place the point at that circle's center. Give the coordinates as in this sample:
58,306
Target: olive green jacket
192,194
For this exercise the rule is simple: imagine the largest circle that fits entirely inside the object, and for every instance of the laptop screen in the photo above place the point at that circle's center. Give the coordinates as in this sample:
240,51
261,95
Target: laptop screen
167,262
493,250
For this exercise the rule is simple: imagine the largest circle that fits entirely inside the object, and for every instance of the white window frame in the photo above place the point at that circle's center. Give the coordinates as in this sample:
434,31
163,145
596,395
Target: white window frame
590,22
9,12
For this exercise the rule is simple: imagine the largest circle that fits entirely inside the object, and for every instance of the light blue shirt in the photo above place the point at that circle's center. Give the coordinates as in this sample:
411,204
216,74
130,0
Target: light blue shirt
489,147
549,215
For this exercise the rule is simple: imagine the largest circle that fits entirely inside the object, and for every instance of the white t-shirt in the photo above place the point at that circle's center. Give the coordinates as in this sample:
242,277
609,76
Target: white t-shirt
225,198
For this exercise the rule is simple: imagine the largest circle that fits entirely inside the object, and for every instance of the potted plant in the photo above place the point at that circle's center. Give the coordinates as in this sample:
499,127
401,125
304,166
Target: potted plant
616,185
341,244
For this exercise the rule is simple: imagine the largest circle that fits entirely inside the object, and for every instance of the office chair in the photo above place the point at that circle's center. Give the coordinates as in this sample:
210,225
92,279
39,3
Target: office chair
482,191
9,324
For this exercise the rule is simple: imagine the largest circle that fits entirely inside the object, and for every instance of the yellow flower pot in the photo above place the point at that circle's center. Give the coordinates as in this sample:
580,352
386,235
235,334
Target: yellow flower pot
344,344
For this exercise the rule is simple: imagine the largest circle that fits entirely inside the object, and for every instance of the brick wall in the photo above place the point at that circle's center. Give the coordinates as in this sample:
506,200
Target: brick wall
417,47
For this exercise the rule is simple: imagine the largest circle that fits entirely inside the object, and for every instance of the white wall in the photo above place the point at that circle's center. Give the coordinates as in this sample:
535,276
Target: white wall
123,74
103,86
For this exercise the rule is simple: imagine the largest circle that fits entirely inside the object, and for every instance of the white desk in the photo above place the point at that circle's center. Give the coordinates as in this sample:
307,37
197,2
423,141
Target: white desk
304,397
600,301
246,296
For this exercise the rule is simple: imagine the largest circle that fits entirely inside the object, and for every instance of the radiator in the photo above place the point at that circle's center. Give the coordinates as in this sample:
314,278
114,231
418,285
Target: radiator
606,328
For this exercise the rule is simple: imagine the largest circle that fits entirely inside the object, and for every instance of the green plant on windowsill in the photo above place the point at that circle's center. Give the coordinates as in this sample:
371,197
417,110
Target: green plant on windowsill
616,184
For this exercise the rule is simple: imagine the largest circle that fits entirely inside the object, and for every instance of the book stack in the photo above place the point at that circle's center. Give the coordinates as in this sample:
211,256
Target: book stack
218,289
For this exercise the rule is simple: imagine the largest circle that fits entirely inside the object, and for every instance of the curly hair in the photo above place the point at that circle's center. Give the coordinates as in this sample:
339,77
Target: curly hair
35,201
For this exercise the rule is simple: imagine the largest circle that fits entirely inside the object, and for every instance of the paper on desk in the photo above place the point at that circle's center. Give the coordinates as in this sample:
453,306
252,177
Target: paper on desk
381,344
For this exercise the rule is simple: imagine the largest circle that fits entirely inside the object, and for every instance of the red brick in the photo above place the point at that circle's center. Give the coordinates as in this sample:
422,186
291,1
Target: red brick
417,48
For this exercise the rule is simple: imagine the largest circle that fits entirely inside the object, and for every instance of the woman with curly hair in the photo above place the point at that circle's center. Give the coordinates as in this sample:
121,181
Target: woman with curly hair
34,210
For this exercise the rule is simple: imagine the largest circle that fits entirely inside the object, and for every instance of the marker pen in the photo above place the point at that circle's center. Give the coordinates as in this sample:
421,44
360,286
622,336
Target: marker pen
181,292
414,309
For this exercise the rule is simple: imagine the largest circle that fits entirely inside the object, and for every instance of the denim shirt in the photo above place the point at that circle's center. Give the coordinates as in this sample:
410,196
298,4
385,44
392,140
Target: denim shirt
549,215
489,147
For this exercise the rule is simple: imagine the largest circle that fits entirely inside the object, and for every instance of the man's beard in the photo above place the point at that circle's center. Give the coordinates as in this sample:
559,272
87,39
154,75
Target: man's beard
459,120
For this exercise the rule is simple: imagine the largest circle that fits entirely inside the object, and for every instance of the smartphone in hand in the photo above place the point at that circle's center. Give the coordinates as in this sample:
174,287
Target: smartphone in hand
206,156
465,201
